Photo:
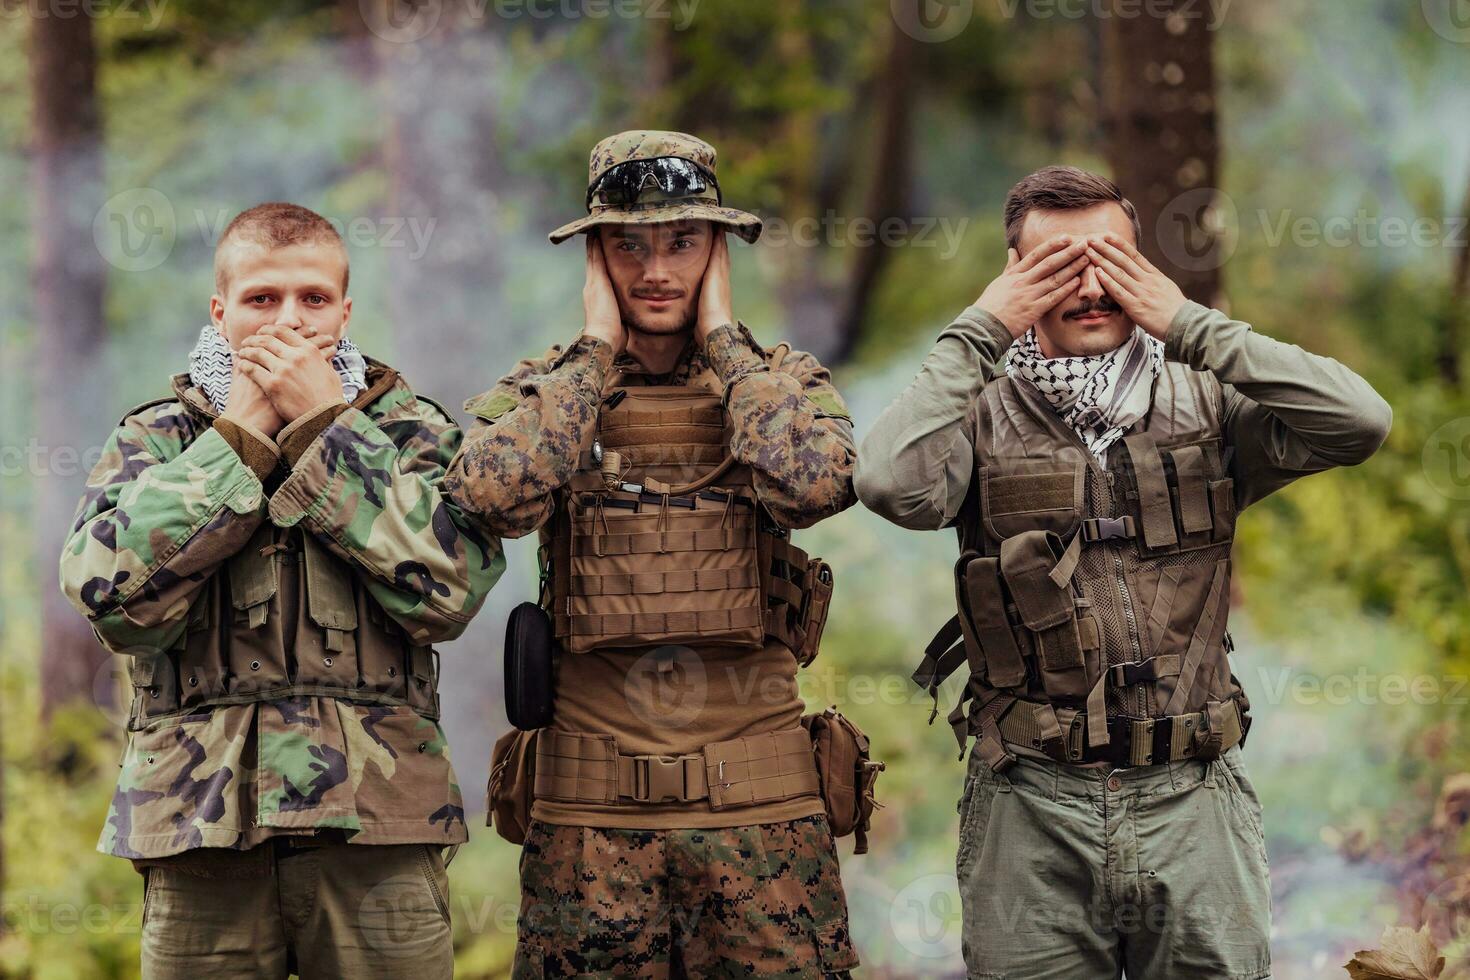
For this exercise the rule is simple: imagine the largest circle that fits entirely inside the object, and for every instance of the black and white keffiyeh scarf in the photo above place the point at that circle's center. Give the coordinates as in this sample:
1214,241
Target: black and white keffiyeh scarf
211,361
1098,396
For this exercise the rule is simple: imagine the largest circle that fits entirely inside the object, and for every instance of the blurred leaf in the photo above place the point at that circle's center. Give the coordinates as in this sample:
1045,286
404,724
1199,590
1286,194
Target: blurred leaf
1406,955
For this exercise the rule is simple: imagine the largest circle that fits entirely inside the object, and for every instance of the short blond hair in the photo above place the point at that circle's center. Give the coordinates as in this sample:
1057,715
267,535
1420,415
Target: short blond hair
276,224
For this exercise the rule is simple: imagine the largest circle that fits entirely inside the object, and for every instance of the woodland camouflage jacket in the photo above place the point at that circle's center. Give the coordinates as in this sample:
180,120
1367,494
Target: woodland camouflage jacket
177,493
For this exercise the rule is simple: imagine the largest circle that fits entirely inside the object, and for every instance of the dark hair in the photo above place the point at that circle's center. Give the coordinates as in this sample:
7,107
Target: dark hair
1062,189
276,224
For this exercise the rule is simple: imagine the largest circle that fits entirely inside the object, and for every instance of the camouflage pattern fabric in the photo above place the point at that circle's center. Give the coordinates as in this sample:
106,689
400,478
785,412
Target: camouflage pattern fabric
790,426
646,144
166,505
757,901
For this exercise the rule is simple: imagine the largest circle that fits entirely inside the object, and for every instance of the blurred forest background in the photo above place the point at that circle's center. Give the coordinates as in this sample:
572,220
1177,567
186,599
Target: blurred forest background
1304,165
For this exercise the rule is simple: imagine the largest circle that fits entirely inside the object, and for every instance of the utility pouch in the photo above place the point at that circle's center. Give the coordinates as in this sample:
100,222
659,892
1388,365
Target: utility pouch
1049,611
1185,501
508,795
845,774
528,667
986,625
814,611
255,577
326,634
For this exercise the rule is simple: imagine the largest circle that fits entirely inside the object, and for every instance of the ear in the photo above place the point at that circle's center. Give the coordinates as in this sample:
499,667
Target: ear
217,312
346,316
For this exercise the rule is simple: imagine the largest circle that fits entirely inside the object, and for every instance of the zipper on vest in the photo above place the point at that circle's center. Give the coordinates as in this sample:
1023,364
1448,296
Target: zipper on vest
1132,620
1137,707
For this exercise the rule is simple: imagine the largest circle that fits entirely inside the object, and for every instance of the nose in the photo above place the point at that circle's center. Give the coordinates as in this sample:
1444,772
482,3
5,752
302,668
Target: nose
1091,288
656,268
290,315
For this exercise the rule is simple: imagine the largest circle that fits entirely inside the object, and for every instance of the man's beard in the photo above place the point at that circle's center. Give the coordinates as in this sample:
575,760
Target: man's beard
633,323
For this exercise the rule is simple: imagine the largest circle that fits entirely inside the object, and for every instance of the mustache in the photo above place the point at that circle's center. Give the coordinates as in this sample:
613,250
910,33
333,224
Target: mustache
1102,305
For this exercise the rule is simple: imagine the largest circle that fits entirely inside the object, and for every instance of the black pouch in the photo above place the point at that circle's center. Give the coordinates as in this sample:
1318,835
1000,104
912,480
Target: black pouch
528,653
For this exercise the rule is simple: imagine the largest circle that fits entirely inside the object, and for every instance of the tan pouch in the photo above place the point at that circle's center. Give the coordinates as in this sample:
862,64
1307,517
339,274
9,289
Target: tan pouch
814,615
845,774
508,796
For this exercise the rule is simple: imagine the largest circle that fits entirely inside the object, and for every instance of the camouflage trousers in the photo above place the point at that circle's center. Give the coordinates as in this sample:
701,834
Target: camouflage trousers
758,901
292,906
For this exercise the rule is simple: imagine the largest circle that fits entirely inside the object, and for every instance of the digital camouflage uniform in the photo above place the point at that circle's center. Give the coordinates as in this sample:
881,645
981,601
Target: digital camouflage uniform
203,793
793,429
674,888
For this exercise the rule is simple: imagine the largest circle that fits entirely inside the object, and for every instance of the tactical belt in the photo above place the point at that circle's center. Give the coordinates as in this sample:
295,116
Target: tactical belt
582,767
1132,741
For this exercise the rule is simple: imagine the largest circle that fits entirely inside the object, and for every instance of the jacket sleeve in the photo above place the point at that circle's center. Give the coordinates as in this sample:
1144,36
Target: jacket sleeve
790,427
160,514
917,460
1287,412
529,431
369,486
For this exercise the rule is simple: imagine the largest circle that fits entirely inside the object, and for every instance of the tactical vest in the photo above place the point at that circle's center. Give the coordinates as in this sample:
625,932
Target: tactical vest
1093,601
281,618
658,537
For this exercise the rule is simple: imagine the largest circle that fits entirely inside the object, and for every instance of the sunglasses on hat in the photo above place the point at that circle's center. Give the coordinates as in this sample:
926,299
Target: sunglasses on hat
668,178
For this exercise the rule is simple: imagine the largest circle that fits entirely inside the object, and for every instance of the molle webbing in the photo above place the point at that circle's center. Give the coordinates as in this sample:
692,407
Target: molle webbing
659,538
578,767
284,618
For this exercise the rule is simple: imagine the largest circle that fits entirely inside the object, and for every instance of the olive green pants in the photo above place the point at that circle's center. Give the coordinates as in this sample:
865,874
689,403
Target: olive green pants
1159,871
328,911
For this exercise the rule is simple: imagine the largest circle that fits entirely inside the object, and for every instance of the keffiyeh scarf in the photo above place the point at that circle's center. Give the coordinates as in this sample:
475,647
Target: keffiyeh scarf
211,361
1098,396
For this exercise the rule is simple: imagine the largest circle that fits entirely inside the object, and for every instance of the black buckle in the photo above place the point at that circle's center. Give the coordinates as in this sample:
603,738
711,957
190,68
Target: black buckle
1137,672
1104,528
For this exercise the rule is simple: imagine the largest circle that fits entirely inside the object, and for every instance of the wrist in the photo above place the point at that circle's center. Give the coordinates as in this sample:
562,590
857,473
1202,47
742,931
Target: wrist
1014,323
612,337
259,419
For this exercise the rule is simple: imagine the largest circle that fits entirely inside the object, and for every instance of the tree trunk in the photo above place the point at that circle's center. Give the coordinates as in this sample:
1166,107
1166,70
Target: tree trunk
69,279
1161,136
888,192
1457,311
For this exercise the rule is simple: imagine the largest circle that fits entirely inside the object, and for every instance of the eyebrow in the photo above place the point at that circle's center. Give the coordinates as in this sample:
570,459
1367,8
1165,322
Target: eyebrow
253,288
